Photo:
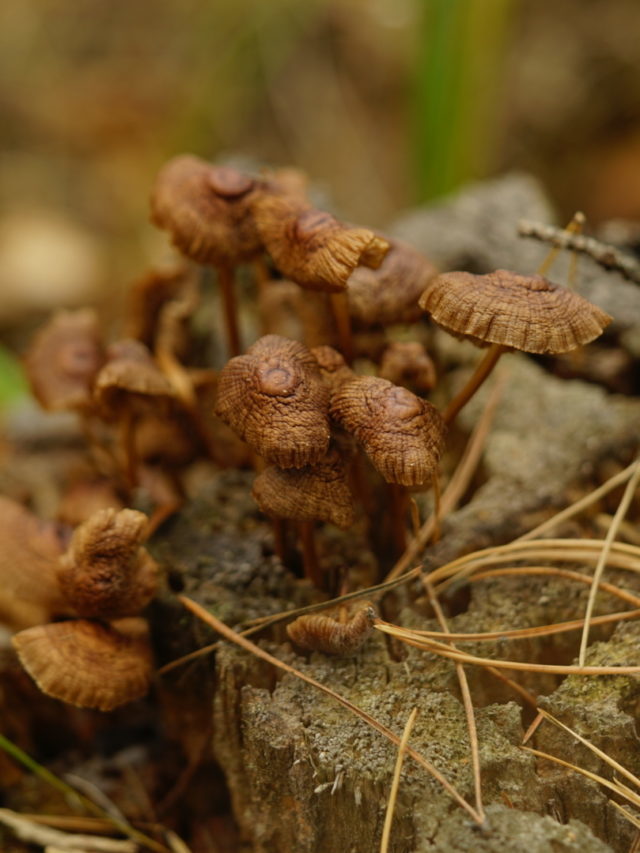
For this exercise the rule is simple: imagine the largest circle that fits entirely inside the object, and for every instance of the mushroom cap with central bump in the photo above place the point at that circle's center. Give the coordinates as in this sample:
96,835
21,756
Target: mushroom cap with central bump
310,246
402,434
273,397
528,313
207,210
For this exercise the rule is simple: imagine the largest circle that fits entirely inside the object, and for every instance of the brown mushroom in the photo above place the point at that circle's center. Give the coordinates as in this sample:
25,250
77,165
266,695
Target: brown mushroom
337,633
147,297
316,251
28,564
390,293
86,663
64,359
505,310
401,434
408,363
273,397
207,211
333,368
105,572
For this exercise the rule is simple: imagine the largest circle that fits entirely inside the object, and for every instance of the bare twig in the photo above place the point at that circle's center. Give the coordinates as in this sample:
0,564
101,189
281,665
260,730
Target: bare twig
395,782
605,255
34,833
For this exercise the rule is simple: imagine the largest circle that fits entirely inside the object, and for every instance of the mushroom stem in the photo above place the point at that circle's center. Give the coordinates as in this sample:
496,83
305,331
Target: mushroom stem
128,444
309,553
340,309
226,280
482,371
279,538
399,506
437,508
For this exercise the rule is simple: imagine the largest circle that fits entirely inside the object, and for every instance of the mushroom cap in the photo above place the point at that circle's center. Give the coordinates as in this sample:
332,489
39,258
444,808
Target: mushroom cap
401,433
105,573
333,368
321,632
29,554
528,313
131,378
207,210
310,246
408,363
64,359
87,663
390,293
147,297
315,492
274,399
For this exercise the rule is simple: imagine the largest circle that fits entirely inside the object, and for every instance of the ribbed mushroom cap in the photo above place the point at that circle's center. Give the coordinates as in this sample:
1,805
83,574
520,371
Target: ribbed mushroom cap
64,359
86,663
528,313
333,368
207,210
310,246
314,493
131,378
390,294
29,552
408,363
273,397
105,572
323,632
401,434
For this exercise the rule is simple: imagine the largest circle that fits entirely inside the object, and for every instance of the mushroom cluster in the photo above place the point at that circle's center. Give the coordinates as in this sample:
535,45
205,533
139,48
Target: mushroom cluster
86,643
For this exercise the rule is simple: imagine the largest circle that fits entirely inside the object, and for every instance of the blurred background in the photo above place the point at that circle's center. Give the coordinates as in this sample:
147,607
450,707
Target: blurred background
385,103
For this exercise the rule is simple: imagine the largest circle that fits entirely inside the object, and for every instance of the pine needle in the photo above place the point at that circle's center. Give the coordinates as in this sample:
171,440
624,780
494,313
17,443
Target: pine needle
395,782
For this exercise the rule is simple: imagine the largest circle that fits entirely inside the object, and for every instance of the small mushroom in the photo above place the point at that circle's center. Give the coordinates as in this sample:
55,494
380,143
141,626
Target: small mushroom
105,572
87,663
333,368
208,212
401,433
389,294
340,633
273,397
64,359
408,363
147,297
505,310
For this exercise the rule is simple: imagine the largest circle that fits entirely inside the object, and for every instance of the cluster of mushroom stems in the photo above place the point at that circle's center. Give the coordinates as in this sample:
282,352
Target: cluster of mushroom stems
302,409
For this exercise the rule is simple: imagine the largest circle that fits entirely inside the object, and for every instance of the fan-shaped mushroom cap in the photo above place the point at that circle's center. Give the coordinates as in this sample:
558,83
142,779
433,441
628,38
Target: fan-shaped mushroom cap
315,492
273,397
390,293
64,359
207,210
87,663
333,368
408,363
105,573
321,632
131,378
29,551
528,313
312,247
401,434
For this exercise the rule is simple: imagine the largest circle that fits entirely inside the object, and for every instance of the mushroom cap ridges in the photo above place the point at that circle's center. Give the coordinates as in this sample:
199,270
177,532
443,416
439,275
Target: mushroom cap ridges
310,246
528,313
274,398
86,663
402,434
207,210
390,293
322,632
313,493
